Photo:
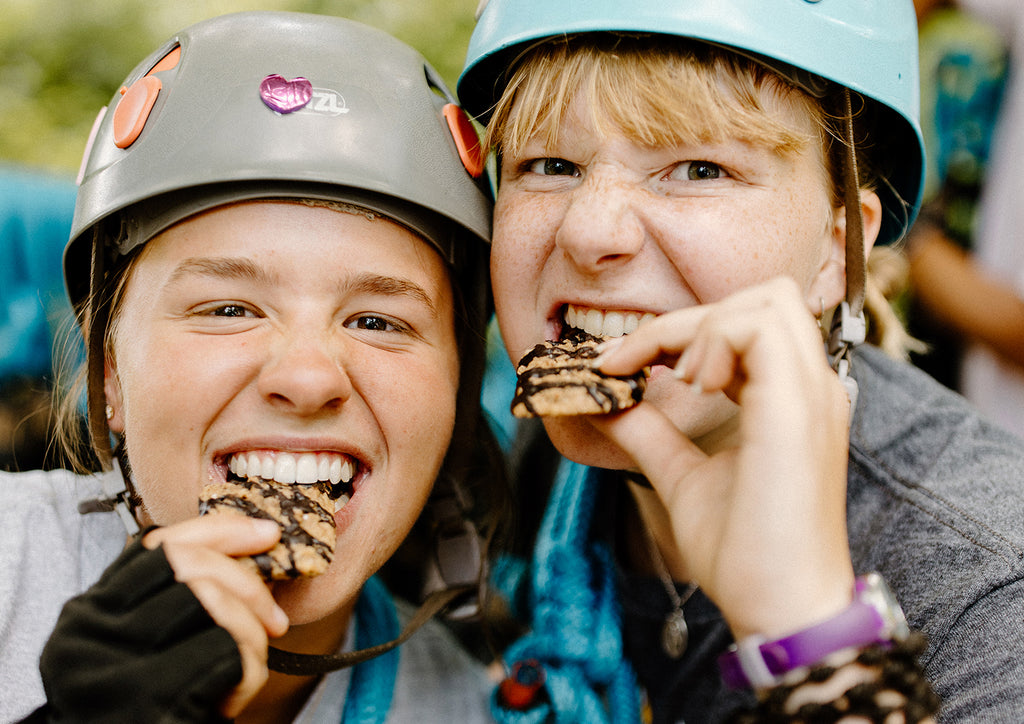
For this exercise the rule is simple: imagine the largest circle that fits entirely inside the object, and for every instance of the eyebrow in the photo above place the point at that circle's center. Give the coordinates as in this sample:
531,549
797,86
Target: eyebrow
220,268
246,270
386,285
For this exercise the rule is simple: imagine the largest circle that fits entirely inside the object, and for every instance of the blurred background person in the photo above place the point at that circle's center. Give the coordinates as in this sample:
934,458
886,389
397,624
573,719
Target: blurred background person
992,376
967,263
963,72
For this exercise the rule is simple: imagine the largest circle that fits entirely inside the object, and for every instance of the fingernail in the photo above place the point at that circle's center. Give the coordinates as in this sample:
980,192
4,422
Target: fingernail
280,620
679,371
605,349
262,526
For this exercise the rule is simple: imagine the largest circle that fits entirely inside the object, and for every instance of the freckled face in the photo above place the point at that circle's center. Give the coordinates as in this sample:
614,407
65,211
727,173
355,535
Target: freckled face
602,222
285,329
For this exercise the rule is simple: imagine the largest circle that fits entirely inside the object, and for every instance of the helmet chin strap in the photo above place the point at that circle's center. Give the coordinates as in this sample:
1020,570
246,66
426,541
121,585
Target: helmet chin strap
96,324
849,327
288,662
456,581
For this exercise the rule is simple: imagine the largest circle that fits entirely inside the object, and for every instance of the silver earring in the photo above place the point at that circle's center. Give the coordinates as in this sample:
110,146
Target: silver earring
109,412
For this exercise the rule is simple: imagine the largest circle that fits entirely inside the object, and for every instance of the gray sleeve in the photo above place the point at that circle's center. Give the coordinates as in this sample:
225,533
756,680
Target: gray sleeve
978,667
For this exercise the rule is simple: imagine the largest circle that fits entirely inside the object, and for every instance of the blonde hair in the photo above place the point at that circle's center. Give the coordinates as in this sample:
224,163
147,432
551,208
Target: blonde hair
683,93
666,91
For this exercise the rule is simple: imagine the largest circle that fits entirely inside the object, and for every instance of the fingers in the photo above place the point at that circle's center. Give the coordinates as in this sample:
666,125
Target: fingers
759,511
764,333
655,444
232,613
235,535
201,552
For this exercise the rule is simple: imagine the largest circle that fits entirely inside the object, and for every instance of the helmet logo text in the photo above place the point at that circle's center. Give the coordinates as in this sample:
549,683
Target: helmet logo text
326,102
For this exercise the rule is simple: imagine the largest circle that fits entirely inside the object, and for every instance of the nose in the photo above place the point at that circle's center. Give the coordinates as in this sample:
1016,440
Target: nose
601,228
306,375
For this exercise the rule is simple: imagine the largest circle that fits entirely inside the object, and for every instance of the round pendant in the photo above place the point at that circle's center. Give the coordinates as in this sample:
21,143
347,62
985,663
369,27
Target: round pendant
674,634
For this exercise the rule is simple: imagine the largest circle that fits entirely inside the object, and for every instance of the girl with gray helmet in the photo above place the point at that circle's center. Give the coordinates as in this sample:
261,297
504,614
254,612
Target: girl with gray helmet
722,548
278,259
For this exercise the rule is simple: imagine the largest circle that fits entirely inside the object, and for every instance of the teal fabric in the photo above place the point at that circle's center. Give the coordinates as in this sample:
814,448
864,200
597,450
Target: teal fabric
35,220
574,616
373,681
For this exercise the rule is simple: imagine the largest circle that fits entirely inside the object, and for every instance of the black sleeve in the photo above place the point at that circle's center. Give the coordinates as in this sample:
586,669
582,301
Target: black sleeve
137,647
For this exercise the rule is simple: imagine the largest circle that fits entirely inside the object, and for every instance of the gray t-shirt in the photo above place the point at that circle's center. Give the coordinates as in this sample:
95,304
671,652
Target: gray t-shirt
50,552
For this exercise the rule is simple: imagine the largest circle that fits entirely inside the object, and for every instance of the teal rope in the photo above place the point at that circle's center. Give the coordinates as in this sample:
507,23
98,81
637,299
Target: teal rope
373,682
576,624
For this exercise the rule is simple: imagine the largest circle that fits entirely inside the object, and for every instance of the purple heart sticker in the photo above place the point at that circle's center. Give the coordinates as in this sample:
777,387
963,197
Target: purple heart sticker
285,96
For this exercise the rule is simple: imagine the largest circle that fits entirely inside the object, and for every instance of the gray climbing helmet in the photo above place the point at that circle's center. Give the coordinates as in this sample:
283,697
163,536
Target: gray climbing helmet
260,105
275,104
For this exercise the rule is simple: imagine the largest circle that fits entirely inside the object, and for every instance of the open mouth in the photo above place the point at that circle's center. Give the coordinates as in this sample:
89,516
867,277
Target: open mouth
299,469
602,322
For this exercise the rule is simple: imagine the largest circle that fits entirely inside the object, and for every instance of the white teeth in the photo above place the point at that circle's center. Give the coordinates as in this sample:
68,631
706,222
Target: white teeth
614,324
284,469
293,468
341,502
342,471
604,324
306,469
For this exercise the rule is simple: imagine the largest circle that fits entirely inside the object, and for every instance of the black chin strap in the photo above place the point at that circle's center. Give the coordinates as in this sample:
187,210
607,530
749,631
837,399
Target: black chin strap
287,662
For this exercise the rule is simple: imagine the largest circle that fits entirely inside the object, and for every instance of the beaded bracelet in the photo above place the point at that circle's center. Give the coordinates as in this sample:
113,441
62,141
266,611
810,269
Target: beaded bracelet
899,687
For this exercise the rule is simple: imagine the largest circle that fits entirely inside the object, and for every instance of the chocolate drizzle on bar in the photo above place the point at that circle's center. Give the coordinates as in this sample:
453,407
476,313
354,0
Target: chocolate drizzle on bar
294,508
552,374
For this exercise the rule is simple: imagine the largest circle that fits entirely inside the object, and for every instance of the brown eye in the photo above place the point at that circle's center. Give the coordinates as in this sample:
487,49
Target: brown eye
552,167
230,310
702,170
373,323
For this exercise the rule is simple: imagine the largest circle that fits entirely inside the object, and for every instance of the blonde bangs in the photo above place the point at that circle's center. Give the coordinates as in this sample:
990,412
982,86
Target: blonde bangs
658,93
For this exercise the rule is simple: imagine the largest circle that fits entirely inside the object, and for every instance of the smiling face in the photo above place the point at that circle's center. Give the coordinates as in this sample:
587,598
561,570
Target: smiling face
596,229
301,342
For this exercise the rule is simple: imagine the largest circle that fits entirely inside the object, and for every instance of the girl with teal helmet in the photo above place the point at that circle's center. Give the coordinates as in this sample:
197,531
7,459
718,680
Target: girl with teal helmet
278,259
696,182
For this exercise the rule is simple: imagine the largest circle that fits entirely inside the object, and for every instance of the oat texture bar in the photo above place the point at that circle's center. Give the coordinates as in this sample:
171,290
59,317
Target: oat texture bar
303,512
558,378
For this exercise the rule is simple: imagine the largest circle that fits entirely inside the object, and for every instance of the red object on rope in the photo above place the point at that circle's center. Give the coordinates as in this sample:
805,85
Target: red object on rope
520,689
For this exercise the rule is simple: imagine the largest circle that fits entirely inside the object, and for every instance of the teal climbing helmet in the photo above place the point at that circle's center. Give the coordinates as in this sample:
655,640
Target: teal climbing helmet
868,46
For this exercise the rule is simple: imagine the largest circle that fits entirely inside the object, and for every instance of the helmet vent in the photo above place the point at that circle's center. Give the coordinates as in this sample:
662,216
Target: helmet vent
466,139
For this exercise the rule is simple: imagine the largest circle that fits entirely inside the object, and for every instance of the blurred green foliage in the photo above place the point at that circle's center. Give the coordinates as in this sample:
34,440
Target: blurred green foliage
61,61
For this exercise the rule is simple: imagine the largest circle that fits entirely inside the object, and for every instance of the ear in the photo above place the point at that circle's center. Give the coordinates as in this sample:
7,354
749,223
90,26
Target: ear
112,392
829,284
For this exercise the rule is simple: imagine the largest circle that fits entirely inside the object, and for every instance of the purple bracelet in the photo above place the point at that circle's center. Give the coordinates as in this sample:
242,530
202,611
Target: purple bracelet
873,617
